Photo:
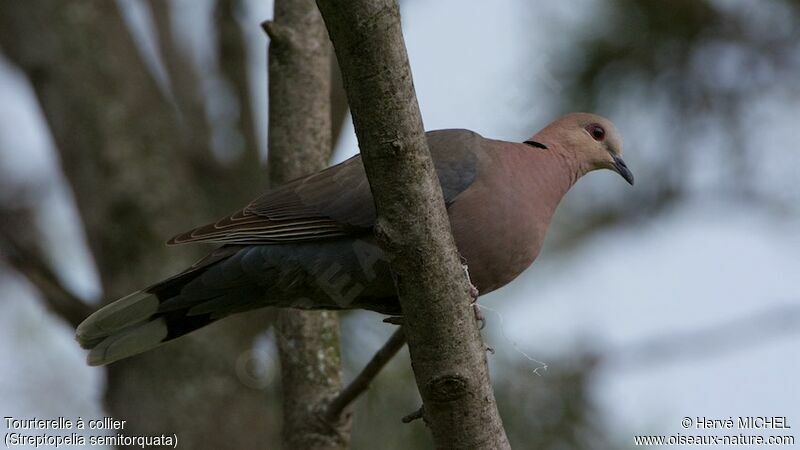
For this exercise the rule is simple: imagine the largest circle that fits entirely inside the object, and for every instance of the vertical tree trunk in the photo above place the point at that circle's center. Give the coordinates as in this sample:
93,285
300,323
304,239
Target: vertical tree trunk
447,353
300,143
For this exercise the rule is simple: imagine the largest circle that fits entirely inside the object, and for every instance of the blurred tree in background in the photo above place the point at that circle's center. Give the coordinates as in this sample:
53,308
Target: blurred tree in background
139,173
700,69
147,156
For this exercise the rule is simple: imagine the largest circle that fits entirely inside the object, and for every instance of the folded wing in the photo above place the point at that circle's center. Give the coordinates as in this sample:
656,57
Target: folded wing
334,202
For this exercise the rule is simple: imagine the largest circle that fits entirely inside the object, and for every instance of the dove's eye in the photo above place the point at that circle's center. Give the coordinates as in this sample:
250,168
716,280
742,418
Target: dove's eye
597,132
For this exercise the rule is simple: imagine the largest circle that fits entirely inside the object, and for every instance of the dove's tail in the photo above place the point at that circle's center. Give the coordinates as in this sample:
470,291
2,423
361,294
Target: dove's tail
136,323
150,317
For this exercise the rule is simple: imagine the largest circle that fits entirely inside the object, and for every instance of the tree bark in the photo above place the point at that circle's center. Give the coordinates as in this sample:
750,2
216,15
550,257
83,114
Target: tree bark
119,148
300,143
447,353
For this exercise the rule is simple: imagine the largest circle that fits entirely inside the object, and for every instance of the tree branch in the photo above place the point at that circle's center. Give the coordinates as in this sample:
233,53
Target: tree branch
233,64
361,382
185,88
18,249
717,339
300,143
412,226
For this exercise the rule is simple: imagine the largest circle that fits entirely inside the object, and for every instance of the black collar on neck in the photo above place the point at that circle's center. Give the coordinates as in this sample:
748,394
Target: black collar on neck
535,144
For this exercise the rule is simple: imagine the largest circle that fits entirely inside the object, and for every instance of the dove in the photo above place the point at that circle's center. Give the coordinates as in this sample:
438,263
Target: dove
310,243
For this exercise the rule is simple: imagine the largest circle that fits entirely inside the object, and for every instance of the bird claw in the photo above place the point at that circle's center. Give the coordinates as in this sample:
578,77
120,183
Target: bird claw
479,317
394,320
473,291
418,414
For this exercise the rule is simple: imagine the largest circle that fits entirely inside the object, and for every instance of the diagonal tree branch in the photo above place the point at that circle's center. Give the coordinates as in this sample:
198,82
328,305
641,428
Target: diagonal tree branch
20,252
362,381
730,335
447,353
233,64
184,84
234,180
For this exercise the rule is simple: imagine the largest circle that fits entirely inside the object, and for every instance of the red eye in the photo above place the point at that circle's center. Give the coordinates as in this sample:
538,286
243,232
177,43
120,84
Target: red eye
597,132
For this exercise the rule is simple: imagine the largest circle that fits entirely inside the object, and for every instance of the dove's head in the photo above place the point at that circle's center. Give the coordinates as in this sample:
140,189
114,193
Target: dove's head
592,140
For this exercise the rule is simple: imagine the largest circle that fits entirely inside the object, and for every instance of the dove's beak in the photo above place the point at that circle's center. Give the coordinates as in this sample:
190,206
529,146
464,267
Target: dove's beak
622,169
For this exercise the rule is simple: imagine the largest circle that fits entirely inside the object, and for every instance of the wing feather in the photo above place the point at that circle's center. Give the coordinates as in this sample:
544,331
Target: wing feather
334,202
